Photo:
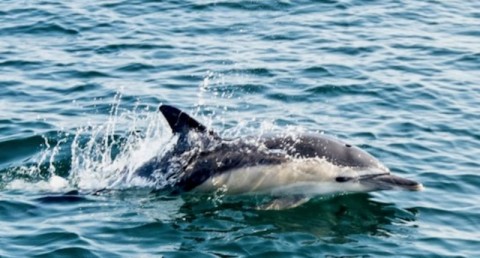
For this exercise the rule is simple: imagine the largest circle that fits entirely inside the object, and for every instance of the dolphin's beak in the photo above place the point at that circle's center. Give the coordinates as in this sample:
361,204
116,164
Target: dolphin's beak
388,181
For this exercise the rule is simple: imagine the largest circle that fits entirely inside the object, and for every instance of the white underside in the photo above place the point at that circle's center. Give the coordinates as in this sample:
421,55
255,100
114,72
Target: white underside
301,176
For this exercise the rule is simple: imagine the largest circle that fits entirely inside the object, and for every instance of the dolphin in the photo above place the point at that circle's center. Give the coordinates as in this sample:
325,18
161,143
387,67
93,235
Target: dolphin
291,167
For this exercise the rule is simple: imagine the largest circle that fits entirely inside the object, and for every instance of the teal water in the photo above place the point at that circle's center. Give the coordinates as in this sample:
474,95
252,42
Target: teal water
81,80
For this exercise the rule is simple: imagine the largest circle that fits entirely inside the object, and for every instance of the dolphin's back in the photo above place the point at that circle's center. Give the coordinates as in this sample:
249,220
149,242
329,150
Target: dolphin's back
320,146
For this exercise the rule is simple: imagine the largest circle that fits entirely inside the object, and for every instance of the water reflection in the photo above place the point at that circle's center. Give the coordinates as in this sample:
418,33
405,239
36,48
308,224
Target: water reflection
222,226
327,218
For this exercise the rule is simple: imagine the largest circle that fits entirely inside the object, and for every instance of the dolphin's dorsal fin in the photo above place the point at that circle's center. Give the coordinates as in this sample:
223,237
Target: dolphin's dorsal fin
179,121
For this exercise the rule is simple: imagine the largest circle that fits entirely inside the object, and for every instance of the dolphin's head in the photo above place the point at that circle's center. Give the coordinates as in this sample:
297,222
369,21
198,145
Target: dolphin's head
365,172
376,181
351,168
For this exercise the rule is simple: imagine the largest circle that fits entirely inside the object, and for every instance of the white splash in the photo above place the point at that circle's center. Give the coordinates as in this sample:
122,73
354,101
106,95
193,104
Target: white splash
53,183
103,157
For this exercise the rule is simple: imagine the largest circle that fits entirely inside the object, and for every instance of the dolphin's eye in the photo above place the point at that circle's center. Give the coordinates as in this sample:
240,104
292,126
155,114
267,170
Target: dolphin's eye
348,145
342,179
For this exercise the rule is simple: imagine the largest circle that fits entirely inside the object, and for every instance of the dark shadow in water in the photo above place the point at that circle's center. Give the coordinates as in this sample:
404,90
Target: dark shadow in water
331,219
58,198
224,226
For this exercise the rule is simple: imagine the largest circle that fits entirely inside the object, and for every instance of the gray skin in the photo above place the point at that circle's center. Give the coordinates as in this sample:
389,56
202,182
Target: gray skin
200,154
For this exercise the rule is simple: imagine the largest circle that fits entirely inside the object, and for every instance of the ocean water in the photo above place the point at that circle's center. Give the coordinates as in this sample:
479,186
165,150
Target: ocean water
81,82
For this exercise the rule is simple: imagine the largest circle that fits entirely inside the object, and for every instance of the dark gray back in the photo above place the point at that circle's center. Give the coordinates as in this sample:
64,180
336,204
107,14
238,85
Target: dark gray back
317,145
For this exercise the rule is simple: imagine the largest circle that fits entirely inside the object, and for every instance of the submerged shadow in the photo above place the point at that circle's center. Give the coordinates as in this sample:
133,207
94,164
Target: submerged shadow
207,219
328,218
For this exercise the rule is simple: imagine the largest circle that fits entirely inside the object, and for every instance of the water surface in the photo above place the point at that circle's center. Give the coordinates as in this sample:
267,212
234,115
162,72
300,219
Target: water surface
81,82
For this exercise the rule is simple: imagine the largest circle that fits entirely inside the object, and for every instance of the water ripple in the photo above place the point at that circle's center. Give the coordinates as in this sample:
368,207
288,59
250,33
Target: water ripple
398,78
39,29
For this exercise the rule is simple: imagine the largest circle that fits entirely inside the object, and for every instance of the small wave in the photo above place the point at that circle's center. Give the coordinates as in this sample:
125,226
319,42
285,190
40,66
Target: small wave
68,252
16,209
87,87
288,98
472,33
469,61
135,67
19,148
354,50
409,128
317,71
264,72
246,6
27,11
39,29
338,90
21,64
113,48
333,70
73,74
10,83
